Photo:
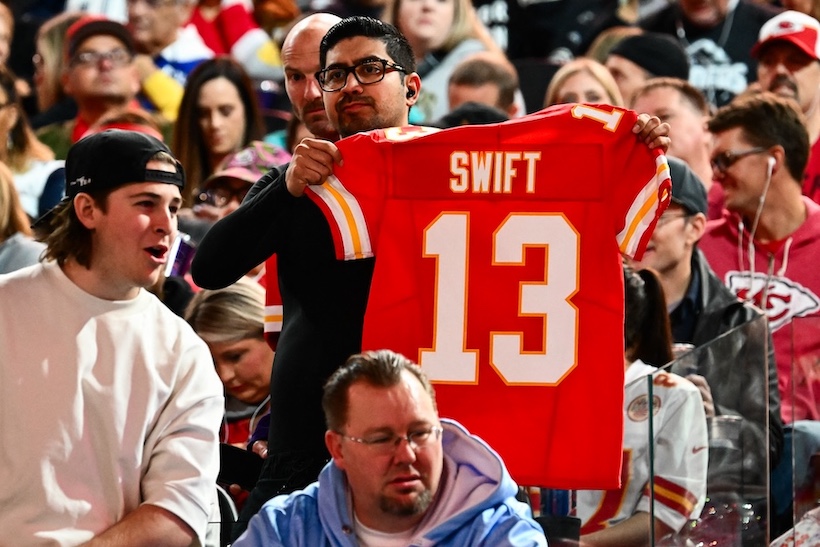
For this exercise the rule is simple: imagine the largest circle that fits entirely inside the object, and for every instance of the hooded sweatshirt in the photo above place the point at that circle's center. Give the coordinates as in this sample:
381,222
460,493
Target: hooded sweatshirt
475,505
782,278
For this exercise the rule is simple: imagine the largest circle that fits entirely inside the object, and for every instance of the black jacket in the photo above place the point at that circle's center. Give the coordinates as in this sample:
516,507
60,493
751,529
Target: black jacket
732,361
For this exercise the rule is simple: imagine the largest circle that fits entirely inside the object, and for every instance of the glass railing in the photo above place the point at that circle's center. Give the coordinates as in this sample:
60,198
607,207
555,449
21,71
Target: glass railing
796,480
734,510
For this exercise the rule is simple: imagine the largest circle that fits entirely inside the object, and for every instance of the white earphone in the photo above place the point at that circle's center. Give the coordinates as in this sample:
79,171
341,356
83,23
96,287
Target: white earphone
771,161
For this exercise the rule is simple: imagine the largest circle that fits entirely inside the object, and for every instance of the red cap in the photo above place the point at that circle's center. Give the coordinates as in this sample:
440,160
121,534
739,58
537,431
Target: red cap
798,29
93,25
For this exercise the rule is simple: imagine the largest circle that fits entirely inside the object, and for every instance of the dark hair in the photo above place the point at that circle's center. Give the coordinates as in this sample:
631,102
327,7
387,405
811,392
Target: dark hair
382,368
396,45
767,120
690,93
647,335
188,142
478,72
63,233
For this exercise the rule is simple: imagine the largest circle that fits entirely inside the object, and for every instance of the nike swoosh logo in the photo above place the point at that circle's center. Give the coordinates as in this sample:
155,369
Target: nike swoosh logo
698,449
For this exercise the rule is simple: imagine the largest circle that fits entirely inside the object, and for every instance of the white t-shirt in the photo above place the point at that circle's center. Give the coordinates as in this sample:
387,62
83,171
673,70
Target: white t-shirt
104,406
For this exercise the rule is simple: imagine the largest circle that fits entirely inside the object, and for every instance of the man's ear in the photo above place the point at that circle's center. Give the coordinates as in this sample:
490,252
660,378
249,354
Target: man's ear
412,83
86,210
697,227
333,442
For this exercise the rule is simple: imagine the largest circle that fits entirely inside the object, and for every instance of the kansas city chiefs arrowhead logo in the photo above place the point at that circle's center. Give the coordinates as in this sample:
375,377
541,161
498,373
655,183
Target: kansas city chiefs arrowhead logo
785,299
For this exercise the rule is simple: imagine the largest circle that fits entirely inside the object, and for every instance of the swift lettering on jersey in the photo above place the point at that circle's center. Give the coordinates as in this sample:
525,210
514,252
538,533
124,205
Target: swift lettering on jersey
492,172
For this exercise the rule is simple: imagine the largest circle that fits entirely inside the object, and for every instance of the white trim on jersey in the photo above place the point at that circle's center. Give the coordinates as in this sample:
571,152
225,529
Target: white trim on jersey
641,213
348,216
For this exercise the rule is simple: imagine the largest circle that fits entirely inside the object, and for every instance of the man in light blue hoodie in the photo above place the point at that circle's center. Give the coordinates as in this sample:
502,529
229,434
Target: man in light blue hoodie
399,474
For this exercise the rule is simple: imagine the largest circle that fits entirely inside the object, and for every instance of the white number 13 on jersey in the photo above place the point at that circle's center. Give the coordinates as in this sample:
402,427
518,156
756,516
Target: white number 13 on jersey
449,360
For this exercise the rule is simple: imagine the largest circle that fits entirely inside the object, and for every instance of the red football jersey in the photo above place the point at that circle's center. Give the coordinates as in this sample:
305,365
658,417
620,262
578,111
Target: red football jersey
273,303
498,270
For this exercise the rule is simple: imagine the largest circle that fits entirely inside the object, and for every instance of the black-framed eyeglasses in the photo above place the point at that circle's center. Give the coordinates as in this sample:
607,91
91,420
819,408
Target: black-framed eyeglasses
118,57
389,443
727,158
367,72
666,218
220,196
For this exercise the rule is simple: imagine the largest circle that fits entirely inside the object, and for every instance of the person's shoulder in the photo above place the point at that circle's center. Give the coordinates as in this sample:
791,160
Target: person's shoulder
290,519
22,277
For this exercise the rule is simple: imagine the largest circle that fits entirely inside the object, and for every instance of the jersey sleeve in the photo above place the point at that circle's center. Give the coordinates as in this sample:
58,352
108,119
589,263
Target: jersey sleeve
681,455
274,311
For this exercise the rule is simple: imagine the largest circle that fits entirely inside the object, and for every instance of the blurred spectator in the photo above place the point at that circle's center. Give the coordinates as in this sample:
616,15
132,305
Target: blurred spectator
678,470
345,8
484,78
231,322
764,249
300,55
17,248
764,246
222,192
583,81
272,14
169,49
218,116
557,31
99,74
443,487
228,28
809,7
295,132
701,309
116,10
6,35
788,54
471,113
29,15
686,110
129,119
600,47
717,36
31,161
53,104
635,59
441,34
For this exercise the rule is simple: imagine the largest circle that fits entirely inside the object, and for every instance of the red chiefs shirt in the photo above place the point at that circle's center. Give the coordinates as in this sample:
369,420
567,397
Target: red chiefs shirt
498,270
781,279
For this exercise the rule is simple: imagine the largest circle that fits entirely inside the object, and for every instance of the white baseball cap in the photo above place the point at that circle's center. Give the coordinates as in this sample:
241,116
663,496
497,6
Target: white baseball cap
796,28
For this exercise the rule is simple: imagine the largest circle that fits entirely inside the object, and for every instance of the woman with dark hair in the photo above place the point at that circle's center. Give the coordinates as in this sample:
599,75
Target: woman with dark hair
678,454
647,335
218,116
31,162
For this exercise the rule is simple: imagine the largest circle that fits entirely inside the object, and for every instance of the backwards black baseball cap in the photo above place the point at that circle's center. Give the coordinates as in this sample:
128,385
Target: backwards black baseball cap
110,159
